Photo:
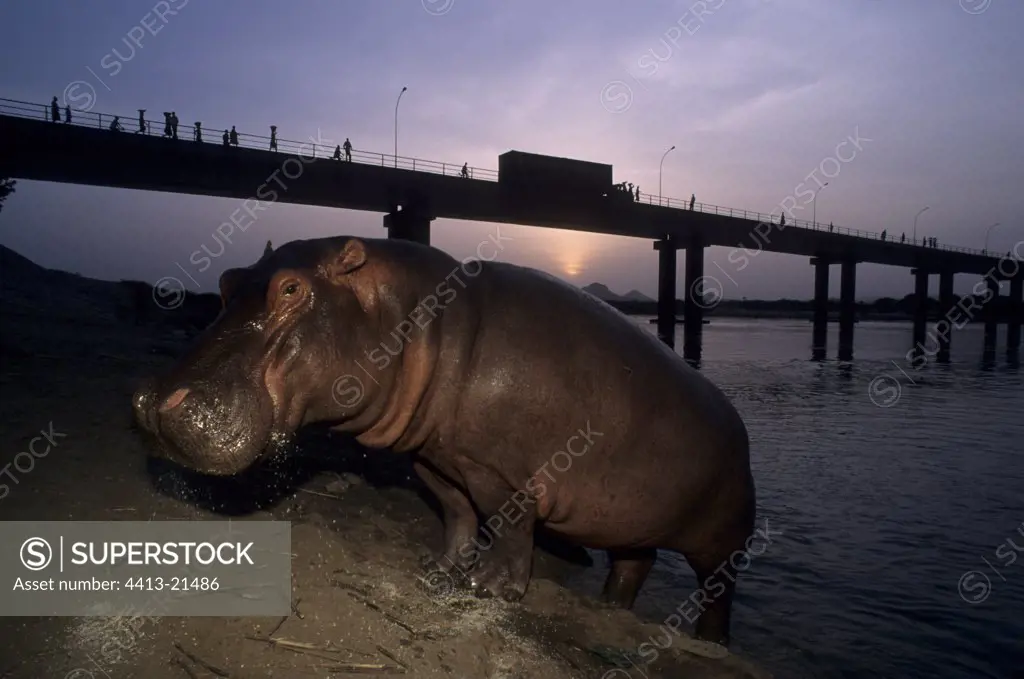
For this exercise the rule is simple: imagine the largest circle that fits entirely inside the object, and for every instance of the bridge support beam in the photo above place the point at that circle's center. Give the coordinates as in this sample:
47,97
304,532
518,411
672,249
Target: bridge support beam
409,224
991,313
666,248
946,306
1016,315
819,342
847,308
920,308
693,304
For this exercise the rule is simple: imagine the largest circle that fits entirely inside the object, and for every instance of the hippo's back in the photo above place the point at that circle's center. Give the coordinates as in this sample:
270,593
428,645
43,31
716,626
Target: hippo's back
557,337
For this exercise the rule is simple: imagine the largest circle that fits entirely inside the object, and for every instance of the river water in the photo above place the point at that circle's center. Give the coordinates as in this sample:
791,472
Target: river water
882,487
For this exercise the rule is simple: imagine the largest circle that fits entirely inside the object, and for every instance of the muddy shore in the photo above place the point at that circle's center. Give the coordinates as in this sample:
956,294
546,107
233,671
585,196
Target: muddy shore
71,353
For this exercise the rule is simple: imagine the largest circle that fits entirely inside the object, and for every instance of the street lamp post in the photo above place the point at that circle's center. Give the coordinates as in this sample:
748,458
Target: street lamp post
396,122
919,213
660,166
814,206
987,234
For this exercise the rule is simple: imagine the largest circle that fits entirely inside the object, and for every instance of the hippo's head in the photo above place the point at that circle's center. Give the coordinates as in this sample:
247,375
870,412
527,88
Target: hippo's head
258,372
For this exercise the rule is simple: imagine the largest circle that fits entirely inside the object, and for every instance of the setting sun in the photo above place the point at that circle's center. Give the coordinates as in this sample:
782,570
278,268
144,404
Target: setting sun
573,251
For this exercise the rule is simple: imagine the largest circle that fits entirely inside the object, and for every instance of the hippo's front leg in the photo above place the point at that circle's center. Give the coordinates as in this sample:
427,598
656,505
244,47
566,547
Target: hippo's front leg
504,556
460,522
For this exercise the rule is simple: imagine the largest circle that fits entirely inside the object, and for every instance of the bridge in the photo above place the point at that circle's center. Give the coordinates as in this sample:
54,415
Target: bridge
412,192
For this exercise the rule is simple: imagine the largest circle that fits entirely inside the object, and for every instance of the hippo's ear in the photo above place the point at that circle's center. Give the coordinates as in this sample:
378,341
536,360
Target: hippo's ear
267,251
229,281
351,257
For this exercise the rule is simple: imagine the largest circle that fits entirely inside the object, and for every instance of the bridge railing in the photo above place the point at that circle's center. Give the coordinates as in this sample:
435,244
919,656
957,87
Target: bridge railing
775,218
186,132
134,124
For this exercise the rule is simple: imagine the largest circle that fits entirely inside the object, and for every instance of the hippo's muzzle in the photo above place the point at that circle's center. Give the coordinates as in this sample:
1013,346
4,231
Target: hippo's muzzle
214,432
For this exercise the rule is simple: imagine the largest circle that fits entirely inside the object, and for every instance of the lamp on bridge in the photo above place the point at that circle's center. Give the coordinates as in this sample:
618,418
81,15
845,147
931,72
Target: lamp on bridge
396,122
814,206
660,166
987,234
919,213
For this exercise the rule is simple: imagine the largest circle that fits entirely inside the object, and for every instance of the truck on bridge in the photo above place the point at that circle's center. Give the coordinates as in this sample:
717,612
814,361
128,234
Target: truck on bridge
532,174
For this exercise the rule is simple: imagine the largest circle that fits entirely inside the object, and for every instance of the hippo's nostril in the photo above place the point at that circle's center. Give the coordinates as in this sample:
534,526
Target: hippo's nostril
174,400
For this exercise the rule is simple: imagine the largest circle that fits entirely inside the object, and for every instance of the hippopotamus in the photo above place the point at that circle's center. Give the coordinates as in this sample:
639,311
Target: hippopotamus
523,400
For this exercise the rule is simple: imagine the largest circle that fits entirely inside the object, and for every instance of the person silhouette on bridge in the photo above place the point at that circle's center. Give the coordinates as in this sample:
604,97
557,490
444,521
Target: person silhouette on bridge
273,137
67,114
174,125
883,234
115,125
226,144
638,194
337,152
782,219
142,122
167,123
234,136
903,238
465,171
830,227
55,110
693,198
348,149
197,134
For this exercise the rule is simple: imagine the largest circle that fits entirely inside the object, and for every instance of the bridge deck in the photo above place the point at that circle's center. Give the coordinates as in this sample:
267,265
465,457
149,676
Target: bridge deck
87,152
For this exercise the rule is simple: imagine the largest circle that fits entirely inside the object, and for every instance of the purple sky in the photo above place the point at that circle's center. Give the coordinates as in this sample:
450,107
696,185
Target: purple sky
755,95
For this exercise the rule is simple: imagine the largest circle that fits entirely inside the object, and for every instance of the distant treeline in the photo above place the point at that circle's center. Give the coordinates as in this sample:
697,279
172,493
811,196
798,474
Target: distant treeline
884,307
169,307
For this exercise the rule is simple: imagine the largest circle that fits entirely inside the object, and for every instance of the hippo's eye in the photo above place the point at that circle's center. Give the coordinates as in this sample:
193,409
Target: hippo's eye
291,289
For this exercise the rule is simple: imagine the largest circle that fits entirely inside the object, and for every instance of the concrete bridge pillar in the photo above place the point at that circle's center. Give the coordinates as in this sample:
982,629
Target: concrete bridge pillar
946,304
819,341
666,248
409,224
920,307
991,313
1016,314
693,304
847,308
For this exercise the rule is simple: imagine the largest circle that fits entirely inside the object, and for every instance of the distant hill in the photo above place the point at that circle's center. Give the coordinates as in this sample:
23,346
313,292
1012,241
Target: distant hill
601,291
35,300
636,296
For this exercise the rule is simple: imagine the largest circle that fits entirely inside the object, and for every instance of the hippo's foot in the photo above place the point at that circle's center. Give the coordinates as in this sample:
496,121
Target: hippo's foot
503,577
441,577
